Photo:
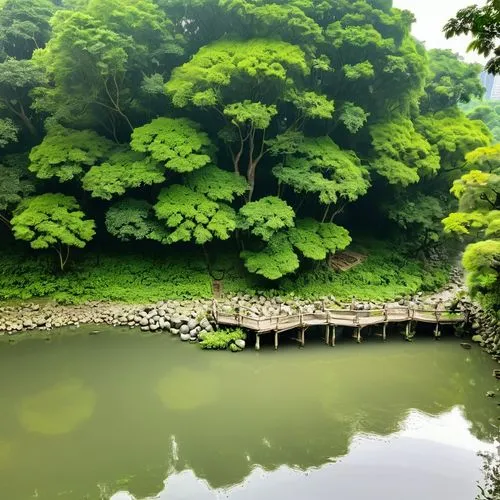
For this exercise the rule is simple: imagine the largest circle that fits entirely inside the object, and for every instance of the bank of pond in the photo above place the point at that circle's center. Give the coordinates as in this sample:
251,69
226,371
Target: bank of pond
115,413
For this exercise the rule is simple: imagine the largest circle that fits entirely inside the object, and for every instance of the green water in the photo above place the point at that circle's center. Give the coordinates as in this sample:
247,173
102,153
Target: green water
123,415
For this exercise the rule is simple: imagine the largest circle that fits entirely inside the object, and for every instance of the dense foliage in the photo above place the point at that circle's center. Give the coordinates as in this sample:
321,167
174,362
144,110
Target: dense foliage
483,22
274,130
478,219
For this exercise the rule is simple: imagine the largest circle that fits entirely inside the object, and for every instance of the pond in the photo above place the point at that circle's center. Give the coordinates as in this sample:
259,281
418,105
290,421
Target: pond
122,415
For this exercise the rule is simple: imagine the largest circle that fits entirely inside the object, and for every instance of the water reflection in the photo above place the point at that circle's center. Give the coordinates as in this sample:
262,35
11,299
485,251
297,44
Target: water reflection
168,419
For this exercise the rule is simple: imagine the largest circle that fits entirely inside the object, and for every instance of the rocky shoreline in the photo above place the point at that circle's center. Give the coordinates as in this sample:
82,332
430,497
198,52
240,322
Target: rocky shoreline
185,318
485,327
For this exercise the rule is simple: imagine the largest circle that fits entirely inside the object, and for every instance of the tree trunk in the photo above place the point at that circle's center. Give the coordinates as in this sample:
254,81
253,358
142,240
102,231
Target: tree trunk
62,259
253,162
5,221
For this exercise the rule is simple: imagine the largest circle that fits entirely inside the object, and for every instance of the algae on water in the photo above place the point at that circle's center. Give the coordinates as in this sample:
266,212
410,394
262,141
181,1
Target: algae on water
59,409
184,389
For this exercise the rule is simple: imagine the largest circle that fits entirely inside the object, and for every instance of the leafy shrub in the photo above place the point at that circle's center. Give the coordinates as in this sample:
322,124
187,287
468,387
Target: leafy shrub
221,339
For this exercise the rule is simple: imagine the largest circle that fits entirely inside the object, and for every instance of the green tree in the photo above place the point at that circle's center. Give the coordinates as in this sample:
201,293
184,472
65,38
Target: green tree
418,214
16,183
454,135
52,221
17,79
264,73
66,153
319,167
265,217
124,170
402,155
95,58
483,23
478,219
24,27
452,81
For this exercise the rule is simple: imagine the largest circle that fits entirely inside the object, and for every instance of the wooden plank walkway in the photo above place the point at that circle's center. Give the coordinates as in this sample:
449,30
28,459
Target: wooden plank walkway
331,318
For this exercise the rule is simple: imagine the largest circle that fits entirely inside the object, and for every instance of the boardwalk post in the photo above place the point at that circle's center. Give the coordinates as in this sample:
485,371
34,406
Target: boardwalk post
257,342
275,341
386,320
437,333
333,336
302,337
407,330
327,338
215,314
358,332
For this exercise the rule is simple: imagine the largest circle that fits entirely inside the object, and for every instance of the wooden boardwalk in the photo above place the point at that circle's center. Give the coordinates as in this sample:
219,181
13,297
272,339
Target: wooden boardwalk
335,318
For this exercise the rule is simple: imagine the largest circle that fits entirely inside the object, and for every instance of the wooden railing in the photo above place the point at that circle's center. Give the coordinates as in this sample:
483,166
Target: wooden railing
246,318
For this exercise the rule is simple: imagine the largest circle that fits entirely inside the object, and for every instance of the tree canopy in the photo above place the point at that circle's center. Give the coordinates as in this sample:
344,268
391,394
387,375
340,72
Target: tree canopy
52,221
279,131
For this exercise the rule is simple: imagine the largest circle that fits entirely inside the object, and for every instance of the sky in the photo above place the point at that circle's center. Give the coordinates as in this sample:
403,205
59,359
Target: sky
431,16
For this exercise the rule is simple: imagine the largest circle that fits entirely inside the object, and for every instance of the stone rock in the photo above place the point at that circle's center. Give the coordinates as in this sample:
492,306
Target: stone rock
466,345
145,328
192,324
477,338
174,331
184,330
490,394
164,325
240,343
185,337
154,327
144,321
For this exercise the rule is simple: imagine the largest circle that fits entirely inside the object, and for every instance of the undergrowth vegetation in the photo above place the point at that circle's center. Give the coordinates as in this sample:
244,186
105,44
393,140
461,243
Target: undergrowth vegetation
125,277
